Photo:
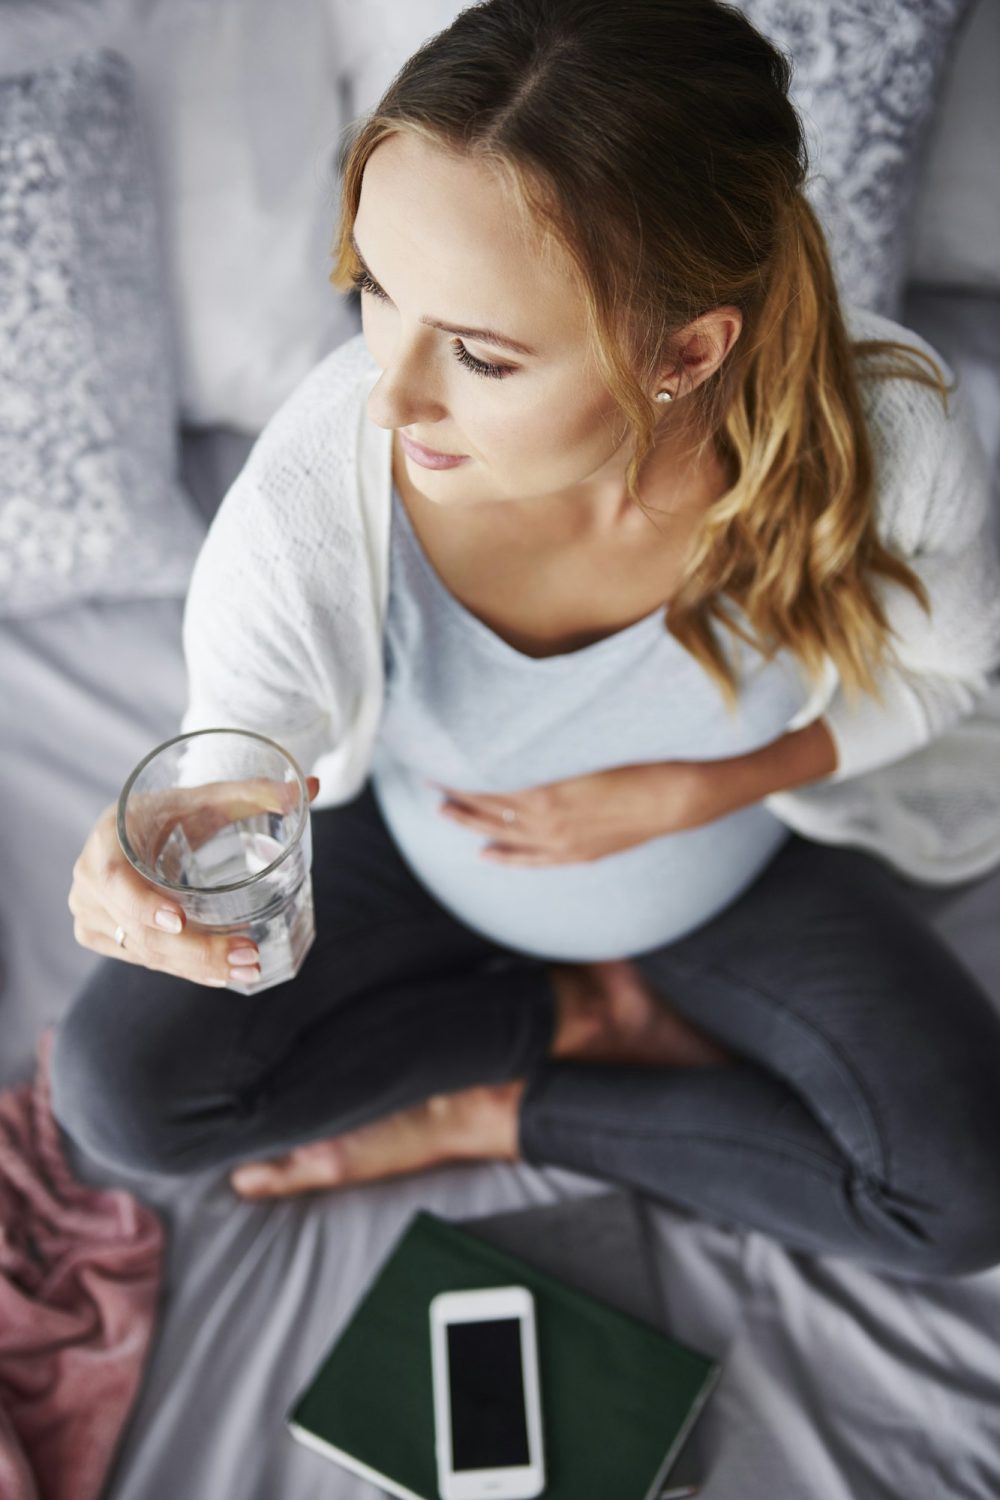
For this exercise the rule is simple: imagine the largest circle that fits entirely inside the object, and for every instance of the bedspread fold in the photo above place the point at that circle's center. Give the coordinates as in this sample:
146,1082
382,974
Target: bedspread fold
80,1275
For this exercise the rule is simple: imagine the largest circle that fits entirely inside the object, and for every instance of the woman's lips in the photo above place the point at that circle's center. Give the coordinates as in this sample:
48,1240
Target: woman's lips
427,458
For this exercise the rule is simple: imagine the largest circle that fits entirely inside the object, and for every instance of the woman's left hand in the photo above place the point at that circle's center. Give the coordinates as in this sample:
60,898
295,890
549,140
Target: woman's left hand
585,817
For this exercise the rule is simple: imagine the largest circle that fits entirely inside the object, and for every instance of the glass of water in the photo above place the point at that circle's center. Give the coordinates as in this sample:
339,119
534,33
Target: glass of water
219,820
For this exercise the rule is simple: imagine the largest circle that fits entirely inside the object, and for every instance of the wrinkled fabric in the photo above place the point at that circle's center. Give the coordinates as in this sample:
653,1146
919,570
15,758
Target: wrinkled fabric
80,1273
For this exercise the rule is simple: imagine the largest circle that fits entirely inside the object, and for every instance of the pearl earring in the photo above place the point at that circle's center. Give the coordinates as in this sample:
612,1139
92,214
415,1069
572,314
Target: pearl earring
664,396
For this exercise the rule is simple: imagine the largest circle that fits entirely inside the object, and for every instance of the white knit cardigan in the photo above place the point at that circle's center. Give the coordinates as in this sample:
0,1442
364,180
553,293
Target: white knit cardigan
284,617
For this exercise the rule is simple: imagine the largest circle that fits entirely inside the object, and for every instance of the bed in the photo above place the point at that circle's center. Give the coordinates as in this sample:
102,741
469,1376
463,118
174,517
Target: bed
838,1383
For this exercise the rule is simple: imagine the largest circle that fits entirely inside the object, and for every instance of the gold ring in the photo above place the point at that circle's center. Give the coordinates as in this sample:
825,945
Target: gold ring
120,936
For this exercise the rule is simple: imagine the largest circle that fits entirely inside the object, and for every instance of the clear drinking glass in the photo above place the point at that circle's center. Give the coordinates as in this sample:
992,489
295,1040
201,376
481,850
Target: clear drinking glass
219,820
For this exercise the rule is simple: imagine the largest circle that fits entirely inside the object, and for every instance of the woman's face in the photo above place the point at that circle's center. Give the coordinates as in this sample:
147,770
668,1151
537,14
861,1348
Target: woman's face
442,241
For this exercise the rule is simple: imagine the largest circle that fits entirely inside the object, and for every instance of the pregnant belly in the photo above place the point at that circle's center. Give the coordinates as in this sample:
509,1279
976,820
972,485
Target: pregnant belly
616,907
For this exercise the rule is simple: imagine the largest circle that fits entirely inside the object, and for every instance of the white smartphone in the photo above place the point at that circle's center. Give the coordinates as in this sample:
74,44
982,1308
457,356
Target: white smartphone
487,1405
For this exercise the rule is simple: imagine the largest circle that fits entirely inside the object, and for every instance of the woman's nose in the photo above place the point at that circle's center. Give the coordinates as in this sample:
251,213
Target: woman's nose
404,393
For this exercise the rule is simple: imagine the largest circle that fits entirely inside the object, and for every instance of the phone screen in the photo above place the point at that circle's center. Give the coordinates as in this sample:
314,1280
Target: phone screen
488,1421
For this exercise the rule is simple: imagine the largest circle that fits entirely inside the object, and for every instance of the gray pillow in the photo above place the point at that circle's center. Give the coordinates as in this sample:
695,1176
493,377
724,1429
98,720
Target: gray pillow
90,506
867,76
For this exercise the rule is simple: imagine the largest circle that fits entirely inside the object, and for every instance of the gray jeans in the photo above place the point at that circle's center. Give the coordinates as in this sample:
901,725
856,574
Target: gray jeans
861,1117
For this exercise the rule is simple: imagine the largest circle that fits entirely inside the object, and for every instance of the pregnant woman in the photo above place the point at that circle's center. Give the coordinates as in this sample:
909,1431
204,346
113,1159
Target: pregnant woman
603,582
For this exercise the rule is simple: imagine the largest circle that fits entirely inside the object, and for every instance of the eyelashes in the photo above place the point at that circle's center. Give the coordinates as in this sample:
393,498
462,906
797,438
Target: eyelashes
364,283
492,372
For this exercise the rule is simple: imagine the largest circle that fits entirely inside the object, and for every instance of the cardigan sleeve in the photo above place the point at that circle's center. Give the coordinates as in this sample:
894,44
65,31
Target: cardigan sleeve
249,660
944,662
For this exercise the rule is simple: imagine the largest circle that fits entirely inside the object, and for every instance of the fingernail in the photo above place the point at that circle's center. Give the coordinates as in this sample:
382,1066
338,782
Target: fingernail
245,974
168,920
245,955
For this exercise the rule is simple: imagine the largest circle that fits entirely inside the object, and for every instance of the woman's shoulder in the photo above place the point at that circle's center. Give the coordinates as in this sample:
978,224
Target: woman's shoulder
931,468
319,417
294,507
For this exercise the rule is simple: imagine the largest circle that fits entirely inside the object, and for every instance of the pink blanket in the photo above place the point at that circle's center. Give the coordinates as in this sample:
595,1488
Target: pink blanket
80,1272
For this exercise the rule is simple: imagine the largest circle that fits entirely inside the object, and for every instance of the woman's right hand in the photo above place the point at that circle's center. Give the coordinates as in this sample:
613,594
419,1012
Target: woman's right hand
107,892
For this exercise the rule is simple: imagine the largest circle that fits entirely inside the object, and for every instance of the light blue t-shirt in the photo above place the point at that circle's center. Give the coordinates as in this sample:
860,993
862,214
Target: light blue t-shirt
464,707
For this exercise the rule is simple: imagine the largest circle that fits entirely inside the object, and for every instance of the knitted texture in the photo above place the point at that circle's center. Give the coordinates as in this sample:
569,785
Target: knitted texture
90,506
284,617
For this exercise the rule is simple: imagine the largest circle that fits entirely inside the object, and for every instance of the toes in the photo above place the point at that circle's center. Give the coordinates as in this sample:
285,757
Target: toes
298,1172
256,1182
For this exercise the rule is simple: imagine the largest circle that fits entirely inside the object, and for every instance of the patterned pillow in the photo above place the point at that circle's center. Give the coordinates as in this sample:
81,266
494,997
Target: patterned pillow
89,503
867,76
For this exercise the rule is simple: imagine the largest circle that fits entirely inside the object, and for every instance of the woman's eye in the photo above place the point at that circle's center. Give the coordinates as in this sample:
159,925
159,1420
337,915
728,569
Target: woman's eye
492,372
364,283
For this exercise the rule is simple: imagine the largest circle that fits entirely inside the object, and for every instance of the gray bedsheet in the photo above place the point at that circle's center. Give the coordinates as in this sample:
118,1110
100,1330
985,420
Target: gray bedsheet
838,1384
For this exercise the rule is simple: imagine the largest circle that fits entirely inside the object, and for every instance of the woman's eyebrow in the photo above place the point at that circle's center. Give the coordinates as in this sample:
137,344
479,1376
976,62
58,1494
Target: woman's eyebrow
481,335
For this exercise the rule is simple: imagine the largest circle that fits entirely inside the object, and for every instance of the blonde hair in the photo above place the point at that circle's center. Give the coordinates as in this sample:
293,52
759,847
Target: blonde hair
656,140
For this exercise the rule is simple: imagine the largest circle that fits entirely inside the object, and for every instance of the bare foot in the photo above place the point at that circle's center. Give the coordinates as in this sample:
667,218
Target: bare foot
477,1122
608,1012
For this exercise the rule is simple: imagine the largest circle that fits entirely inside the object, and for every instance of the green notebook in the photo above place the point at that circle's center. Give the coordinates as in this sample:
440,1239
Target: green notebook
618,1396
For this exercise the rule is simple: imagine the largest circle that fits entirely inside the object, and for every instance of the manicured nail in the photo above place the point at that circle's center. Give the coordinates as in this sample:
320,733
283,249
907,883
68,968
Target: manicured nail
245,974
168,920
245,955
